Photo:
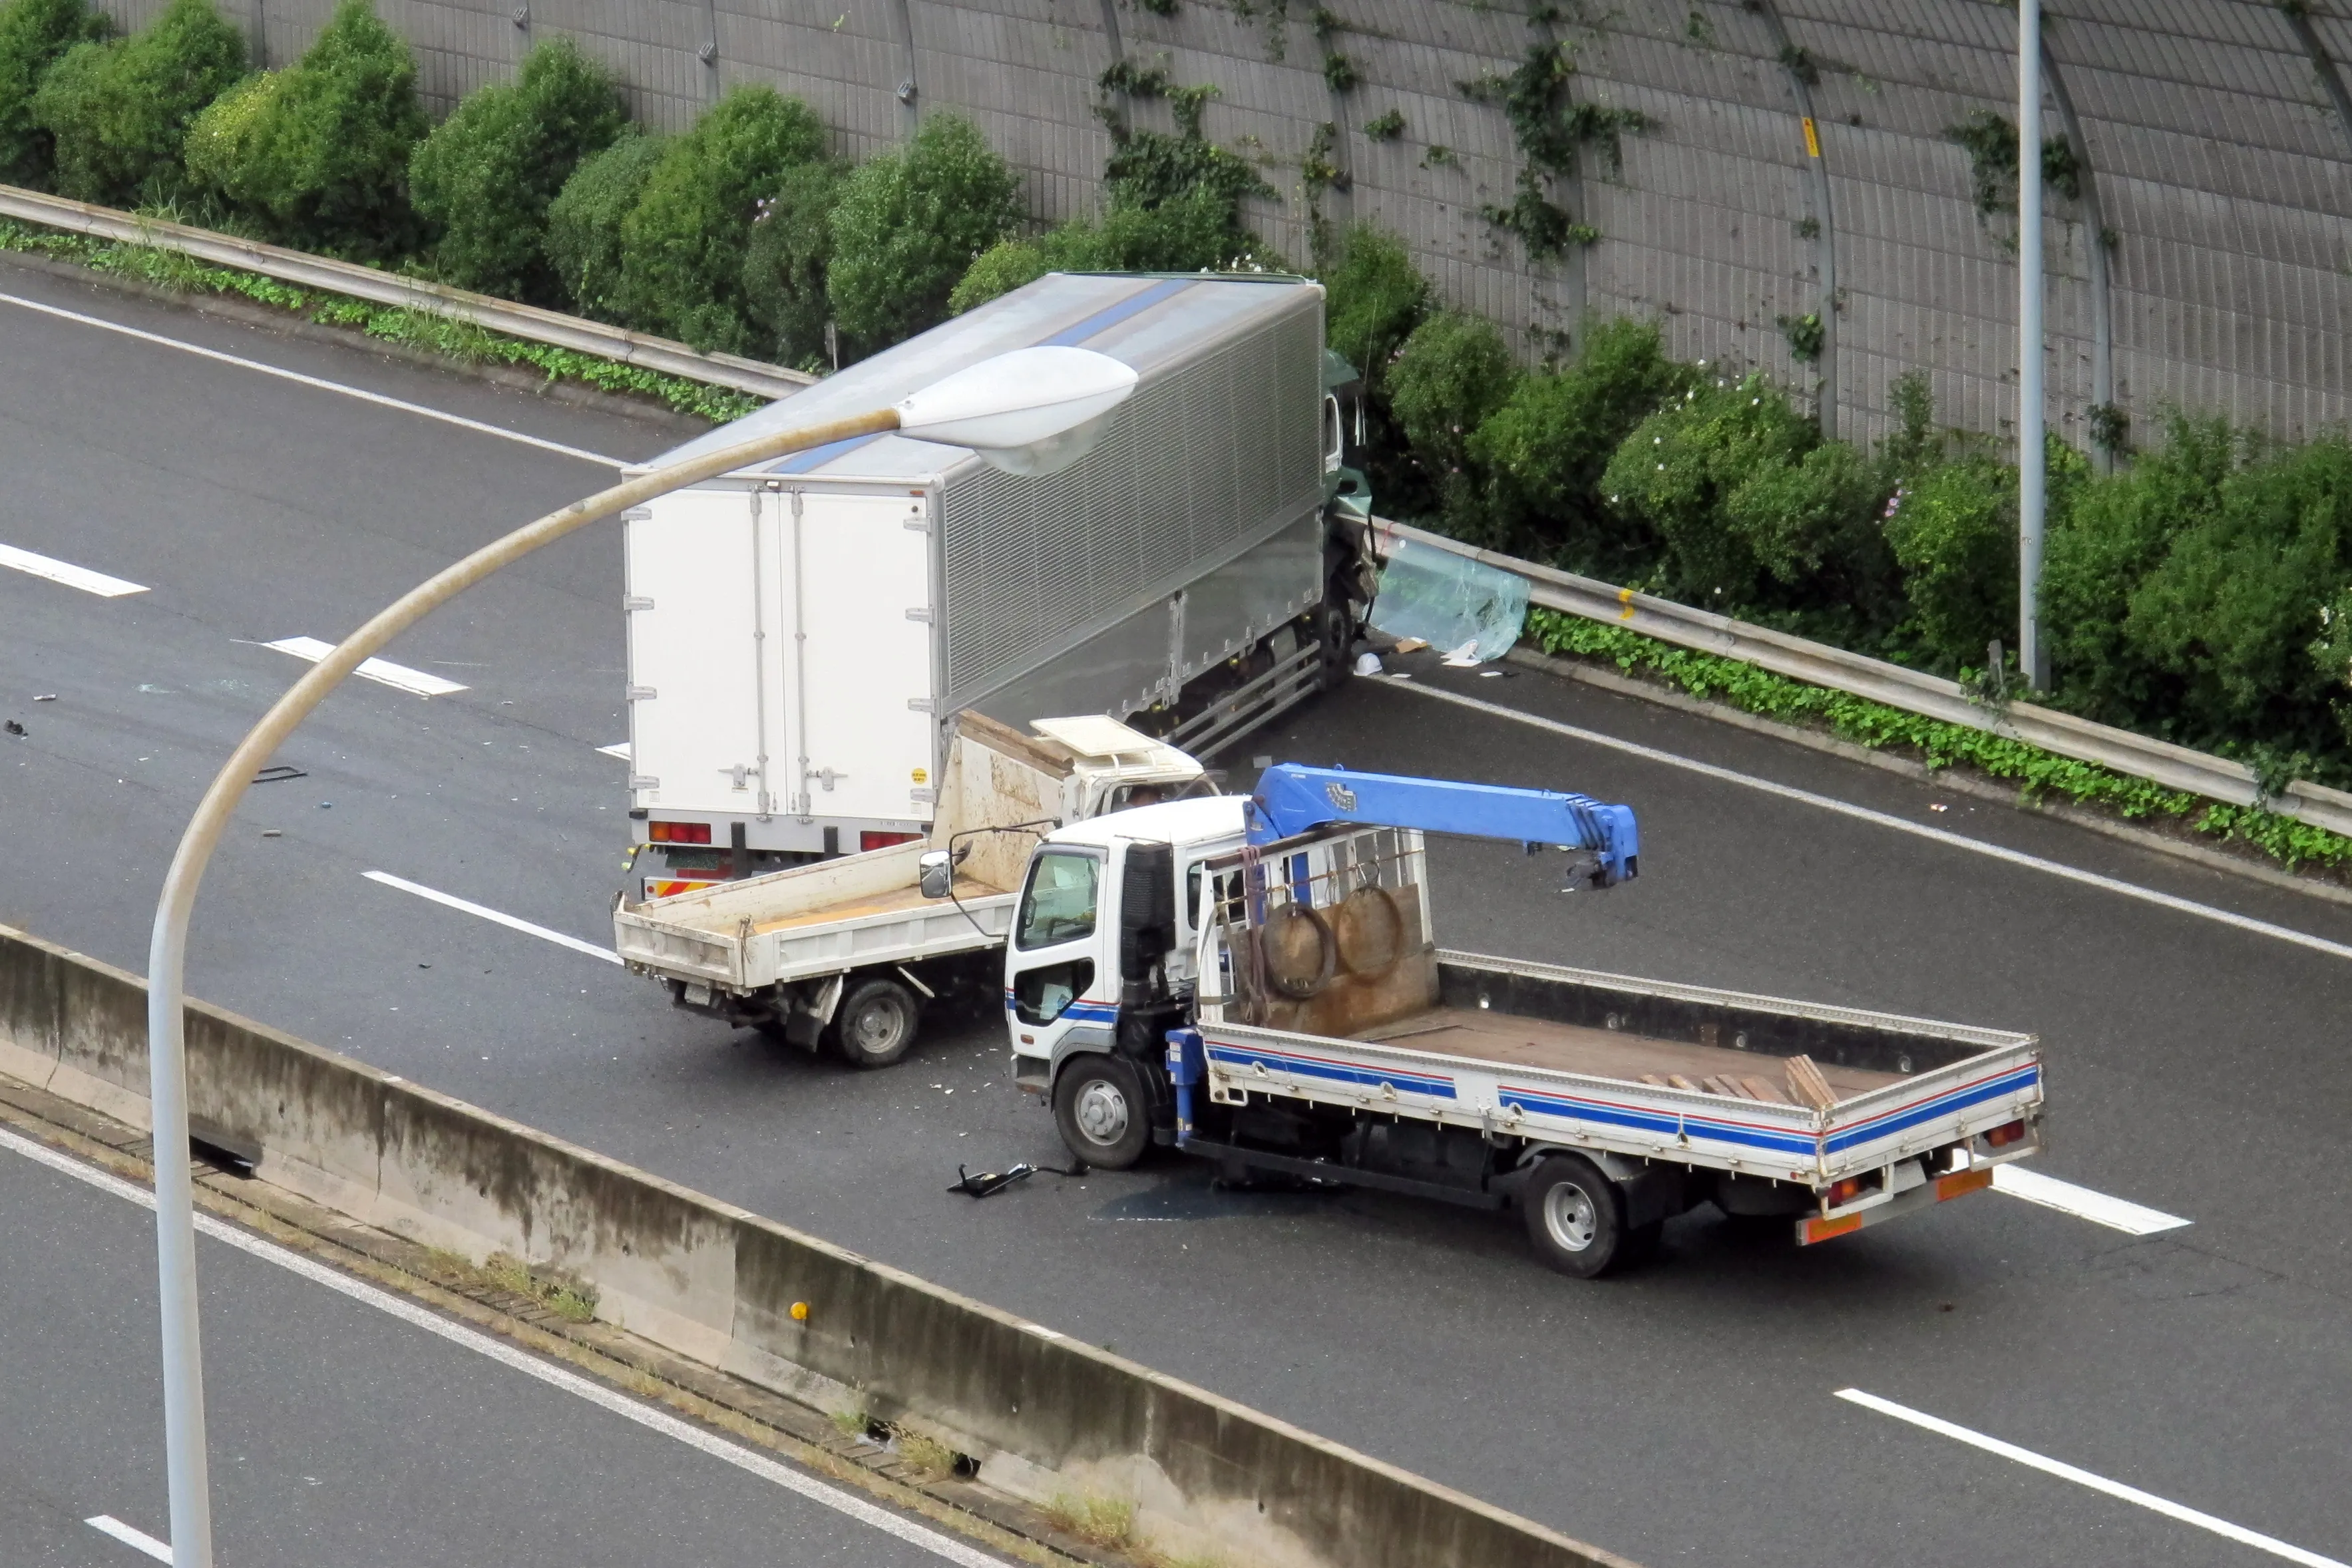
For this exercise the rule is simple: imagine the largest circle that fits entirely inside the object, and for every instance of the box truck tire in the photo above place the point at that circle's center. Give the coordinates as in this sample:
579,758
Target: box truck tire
1099,1106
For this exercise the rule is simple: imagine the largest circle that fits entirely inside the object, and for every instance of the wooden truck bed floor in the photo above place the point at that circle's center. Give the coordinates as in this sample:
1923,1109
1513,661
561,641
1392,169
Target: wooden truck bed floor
1603,1053
890,904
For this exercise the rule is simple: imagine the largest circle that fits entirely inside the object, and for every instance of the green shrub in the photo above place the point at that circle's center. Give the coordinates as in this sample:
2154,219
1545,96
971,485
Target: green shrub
2111,533
1188,234
1544,448
1452,372
34,35
1953,530
583,222
118,112
487,174
785,261
910,225
1375,298
682,245
2231,612
318,152
1757,515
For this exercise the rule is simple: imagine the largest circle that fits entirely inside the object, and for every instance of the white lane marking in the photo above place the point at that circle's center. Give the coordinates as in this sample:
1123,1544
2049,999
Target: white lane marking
377,669
138,1540
617,749
2222,1527
1864,813
668,1426
67,572
2081,1202
495,916
377,398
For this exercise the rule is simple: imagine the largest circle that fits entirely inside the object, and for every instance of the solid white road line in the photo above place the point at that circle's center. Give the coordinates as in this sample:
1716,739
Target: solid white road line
106,1524
2027,1456
496,917
1864,813
2081,1202
668,1426
381,670
617,749
377,398
64,572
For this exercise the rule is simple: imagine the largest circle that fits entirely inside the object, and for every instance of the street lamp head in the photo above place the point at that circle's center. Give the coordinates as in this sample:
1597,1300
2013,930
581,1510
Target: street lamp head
1032,411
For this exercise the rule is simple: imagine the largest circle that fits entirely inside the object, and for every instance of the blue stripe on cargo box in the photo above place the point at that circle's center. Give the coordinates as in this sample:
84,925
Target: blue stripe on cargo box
1112,315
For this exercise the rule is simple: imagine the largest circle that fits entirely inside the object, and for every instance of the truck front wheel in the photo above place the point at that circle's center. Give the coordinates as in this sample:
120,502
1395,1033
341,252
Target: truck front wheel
877,1023
1576,1216
1099,1107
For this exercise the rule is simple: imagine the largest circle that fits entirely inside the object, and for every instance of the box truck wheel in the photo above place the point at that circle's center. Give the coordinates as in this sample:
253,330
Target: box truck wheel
877,1023
1576,1216
1099,1107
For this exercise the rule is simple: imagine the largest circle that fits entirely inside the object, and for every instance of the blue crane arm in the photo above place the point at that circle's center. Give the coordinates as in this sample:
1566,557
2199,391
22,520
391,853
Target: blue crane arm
1292,798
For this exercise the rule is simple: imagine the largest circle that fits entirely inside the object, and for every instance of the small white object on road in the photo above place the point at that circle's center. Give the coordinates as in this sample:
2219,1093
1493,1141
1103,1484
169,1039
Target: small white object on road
1368,663
1463,657
617,749
381,670
137,1540
67,572
2080,1201
2097,1483
495,917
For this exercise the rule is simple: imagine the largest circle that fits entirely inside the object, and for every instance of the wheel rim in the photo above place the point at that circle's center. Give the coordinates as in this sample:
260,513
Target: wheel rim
1570,1216
1101,1113
876,1028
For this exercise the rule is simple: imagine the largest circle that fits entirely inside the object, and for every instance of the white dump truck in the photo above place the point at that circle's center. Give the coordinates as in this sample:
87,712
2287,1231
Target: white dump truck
846,951
1253,980
800,634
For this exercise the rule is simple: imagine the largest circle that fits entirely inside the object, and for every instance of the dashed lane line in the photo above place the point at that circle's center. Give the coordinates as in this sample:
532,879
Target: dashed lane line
2081,1478
497,917
381,670
137,1540
67,572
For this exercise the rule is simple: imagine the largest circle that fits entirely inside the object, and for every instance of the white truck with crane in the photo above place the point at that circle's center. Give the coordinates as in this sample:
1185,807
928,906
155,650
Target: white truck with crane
1253,980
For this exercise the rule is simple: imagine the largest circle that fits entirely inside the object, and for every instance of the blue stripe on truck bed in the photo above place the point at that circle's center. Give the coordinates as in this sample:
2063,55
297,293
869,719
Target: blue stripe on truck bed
1248,1056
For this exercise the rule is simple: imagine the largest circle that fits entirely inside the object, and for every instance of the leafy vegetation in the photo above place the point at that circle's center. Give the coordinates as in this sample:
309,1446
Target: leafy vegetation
118,112
486,175
910,224
34,35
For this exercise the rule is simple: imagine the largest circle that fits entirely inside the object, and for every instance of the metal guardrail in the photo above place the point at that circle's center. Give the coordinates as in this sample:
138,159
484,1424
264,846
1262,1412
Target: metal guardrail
525,322
2175,767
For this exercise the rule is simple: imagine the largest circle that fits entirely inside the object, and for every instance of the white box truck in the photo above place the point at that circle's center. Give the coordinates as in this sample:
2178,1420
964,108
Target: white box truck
800,634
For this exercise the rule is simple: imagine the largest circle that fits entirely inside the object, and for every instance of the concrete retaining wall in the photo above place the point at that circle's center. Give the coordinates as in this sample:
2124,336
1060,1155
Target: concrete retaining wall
1046,1414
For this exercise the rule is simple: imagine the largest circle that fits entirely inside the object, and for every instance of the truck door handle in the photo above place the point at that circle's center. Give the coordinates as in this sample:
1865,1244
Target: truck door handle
826,776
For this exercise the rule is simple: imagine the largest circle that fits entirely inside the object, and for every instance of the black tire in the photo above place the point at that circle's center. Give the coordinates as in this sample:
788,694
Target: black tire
876,1024
1100,1109
1575,1216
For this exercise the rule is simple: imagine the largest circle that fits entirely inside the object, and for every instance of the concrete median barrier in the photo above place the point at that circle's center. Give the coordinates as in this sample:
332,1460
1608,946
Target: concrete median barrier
1046,1417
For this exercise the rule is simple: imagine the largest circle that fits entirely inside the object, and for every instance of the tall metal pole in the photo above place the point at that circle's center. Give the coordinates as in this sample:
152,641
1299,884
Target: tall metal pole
167,1062
2033,658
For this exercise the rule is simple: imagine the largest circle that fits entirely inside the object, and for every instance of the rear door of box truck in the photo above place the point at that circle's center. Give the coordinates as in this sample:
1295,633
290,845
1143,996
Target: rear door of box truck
862,691
694,677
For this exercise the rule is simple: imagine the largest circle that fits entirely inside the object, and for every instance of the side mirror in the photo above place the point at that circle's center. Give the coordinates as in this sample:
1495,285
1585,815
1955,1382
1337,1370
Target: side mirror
937,878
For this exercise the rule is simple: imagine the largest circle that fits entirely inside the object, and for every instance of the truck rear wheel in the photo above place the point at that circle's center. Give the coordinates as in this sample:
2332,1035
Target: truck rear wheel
1099,1107
1575,1216
877,1023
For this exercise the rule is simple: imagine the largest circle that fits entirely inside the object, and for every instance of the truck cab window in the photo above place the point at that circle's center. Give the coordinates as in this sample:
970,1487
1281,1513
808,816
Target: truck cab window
1334,434
1058,904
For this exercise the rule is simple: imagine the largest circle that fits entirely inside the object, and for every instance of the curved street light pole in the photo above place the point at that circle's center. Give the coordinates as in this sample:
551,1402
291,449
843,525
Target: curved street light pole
1013,408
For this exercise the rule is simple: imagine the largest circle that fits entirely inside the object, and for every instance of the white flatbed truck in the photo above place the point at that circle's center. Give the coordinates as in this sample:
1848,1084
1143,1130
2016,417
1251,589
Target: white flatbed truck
1253,981
846,951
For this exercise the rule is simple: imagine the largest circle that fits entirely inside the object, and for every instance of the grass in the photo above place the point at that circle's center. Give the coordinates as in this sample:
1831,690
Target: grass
571,1301
1876,726
852,1424
926,1454
1097,1520
461,341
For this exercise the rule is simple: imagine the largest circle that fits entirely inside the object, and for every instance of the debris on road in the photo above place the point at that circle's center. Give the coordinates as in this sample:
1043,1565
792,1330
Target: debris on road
980,1184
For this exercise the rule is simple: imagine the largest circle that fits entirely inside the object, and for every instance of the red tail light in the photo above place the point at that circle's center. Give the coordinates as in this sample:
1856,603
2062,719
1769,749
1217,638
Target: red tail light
679,832
884,840
1846,1191
2003,1137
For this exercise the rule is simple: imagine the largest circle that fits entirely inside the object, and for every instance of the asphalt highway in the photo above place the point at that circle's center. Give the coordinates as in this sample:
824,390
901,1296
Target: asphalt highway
339,1433
1686,1412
